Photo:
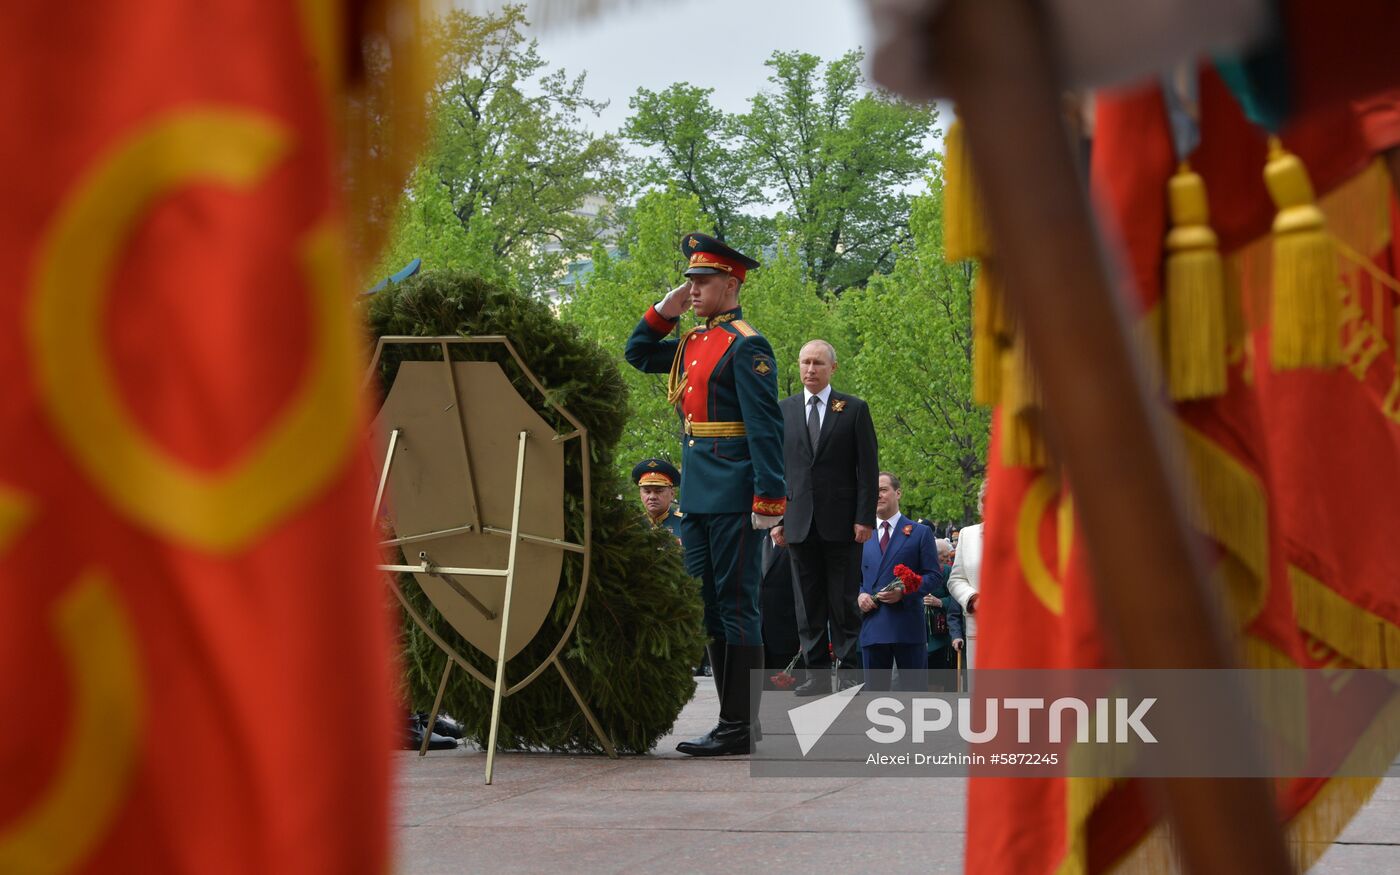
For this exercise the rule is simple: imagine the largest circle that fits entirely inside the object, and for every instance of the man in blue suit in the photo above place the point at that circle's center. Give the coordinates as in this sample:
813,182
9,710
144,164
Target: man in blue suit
893,632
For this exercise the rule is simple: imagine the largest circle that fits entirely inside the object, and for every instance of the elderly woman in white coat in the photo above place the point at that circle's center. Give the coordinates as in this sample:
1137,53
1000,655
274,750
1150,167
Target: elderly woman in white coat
965,579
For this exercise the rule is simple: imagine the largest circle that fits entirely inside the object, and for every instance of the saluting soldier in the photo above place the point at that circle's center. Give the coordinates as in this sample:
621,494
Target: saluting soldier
656,481
724,383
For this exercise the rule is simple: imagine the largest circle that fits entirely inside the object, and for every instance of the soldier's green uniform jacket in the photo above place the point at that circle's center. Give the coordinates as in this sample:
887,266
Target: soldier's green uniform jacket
725,386
671,521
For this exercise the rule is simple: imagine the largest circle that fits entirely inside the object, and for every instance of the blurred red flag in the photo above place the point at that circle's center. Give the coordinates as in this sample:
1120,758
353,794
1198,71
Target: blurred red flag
1018,824
1297,471
196,663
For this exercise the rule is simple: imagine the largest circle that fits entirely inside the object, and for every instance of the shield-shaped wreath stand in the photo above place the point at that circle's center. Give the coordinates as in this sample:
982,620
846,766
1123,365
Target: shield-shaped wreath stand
475,481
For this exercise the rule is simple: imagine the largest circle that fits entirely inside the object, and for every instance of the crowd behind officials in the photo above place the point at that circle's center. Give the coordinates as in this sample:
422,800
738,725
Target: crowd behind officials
806,561
941,638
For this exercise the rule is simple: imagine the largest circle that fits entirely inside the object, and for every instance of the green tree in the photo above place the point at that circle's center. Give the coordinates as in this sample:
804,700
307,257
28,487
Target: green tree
912,341
693,146
787,309
499,188
844,158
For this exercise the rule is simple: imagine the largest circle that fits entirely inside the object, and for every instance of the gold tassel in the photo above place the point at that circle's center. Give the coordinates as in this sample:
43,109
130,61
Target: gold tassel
1195,293
987,343
1307,306
1022,445
964,233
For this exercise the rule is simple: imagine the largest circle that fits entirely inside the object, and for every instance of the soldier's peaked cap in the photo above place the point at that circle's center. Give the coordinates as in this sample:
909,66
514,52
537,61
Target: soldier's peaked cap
655,472
705,254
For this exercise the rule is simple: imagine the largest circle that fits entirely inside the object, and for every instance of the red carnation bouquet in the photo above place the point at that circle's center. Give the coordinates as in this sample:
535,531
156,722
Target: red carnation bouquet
906,580
784,679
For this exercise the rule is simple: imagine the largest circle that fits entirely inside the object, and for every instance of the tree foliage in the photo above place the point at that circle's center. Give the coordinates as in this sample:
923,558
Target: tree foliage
843,158
835,160
912,350
499,188
694,147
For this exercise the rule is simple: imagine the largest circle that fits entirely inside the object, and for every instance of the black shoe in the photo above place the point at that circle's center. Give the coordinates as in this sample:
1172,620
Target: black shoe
702,741
846,684
413,738
729,738
818,684
447,727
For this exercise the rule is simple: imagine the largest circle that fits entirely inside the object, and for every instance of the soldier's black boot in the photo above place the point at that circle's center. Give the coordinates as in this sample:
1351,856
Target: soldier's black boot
737,707
716,652
716,649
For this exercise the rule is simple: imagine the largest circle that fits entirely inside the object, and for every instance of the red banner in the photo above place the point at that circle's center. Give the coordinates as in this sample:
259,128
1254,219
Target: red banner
1297,471
1019,824
195,669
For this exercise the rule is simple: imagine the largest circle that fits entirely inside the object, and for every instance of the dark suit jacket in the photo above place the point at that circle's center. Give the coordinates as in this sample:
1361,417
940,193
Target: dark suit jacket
836,489
903,621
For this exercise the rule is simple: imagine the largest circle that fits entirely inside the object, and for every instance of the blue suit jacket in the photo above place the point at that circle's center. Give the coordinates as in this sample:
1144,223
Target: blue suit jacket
902,622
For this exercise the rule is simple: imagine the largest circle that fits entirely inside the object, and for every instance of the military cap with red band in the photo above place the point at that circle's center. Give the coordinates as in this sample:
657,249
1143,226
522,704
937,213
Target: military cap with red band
655,472
705,255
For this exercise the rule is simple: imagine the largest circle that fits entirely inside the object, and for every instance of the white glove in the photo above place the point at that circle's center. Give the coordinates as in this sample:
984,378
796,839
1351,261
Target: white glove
762,522
676,302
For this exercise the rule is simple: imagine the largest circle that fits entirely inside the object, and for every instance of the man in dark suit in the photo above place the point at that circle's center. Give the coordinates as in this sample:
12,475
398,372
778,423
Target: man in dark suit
894,631
830,459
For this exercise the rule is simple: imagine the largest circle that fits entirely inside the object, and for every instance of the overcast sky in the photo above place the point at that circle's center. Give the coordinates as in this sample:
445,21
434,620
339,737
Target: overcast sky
719,44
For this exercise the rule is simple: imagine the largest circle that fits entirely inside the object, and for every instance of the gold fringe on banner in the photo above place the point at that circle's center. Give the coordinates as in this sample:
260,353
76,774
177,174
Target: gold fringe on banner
964,230
1231,505
1313,830
1367,639
1194,295
988,337
1306,321
1023,444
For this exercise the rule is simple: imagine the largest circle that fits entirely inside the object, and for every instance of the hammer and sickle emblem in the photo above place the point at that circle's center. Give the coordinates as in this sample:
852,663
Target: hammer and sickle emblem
297,454
1045,585
61,828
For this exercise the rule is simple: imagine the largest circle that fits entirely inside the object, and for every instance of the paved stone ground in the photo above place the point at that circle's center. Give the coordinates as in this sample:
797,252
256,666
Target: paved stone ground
666,812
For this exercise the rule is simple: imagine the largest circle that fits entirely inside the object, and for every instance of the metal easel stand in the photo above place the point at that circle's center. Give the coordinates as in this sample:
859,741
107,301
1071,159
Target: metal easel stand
426,566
